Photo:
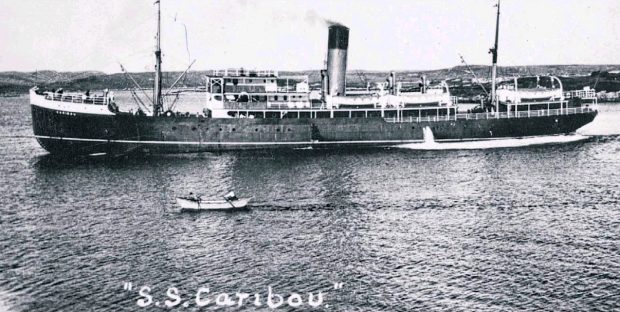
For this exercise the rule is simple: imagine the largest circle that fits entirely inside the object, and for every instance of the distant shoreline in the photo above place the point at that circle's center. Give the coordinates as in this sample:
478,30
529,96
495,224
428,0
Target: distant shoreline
460,79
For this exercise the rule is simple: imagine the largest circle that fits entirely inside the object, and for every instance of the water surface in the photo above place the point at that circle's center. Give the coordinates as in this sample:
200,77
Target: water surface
522,228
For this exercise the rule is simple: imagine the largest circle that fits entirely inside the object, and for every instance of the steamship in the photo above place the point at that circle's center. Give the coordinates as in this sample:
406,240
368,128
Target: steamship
249,109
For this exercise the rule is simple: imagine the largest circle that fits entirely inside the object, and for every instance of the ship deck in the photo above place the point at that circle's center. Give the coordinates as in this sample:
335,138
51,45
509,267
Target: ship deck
500,115
418,113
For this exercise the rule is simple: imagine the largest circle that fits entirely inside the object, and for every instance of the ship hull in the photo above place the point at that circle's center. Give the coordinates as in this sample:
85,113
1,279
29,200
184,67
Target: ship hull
82,134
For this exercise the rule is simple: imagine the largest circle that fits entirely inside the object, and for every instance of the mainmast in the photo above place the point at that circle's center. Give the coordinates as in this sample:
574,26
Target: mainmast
494,69
157,101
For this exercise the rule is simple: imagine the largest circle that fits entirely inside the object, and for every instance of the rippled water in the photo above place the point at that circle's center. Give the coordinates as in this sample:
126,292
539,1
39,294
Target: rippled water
523,228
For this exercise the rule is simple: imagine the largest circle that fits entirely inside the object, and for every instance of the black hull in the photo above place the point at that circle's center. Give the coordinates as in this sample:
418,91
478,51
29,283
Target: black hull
83,134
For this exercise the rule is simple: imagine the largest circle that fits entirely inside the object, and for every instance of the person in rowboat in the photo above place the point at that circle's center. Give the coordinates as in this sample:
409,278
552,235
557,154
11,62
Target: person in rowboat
193,197
230,196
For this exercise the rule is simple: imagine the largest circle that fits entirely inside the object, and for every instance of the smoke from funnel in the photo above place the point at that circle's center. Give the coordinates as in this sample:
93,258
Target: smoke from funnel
312,18
333,23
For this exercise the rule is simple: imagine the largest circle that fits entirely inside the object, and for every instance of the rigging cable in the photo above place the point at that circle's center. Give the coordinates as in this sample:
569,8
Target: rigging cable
597,79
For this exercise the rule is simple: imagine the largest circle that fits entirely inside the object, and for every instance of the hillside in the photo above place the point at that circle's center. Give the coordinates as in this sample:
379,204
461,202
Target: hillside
18,82
459,78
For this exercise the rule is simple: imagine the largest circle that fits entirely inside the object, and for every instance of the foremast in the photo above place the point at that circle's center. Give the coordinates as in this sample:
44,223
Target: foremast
493,51
157,100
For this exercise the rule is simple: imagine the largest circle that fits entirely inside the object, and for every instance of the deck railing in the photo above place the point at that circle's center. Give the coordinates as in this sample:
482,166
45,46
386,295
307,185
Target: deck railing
306,106
240,72
582,94
493,115
289,105
76,98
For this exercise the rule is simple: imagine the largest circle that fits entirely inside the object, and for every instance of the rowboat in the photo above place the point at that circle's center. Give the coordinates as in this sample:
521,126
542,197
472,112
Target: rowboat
192,204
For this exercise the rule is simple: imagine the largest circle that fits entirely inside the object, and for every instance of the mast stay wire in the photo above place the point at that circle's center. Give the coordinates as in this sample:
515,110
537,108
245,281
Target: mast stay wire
172,57
189,58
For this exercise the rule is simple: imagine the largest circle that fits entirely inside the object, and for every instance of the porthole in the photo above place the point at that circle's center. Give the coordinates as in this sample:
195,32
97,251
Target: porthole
413,128
256,129
174,128
220,129
289,130
193,128
233,129
278,130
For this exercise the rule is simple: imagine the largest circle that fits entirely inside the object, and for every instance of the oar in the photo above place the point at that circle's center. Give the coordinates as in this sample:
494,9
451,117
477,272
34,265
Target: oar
228,201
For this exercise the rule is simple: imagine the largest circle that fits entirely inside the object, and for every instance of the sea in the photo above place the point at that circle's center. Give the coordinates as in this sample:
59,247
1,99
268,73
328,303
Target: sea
513,227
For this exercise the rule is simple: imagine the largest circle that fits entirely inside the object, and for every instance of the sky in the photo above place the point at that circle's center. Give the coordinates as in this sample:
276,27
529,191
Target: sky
69,35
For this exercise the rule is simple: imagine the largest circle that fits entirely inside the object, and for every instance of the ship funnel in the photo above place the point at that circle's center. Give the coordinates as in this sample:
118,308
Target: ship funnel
337,46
